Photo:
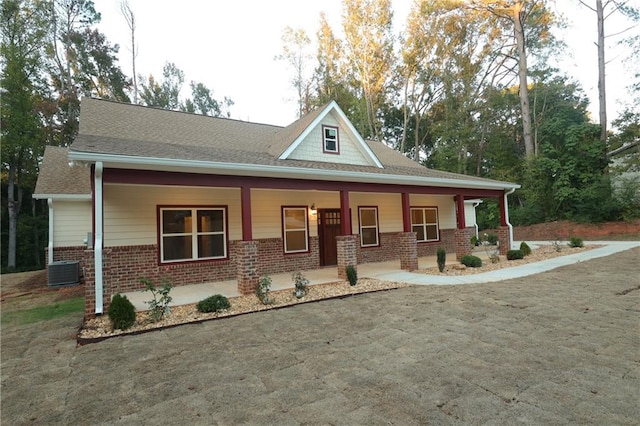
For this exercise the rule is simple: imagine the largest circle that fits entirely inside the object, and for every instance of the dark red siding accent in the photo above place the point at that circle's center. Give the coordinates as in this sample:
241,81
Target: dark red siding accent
503,211
406,212
247,227
93,205
460,211
151,177
345,213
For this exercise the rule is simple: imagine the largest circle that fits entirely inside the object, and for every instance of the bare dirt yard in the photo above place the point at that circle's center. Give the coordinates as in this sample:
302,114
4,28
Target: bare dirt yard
561,347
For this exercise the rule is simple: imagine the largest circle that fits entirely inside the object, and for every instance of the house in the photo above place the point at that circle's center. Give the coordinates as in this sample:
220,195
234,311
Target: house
200,199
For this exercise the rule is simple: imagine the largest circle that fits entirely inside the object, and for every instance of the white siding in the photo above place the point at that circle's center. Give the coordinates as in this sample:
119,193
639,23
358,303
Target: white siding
267,205
71,222
469,214
130,211
311,148
446,208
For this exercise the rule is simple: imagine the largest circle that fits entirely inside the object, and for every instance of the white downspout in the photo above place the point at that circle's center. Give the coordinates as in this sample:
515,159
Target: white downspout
475,222
98,239
506,216
50,245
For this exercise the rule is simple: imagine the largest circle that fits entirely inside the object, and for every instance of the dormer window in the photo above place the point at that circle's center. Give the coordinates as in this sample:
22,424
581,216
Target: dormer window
330,140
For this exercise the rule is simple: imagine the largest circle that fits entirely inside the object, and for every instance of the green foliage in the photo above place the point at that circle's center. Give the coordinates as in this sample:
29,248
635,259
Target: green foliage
471,261
515,254
491,239
262,290
159,305
441,256
525,249
214,303
43,313
576,242
122,313
352,275
300,284
474,241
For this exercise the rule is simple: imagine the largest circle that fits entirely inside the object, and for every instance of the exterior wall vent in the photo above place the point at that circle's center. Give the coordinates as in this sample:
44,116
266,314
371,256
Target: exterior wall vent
64,273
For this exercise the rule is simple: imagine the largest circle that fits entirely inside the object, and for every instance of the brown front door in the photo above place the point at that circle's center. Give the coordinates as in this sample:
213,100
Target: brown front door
328,230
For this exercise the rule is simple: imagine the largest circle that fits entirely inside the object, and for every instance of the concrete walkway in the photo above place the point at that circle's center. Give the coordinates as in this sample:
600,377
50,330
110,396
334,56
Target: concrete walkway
390,271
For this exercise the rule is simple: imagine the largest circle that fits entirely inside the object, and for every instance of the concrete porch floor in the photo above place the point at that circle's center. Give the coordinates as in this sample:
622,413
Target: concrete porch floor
193,293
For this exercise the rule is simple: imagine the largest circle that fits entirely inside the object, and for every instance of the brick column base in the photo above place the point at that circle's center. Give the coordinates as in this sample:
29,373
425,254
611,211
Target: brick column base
463,242
90,283
347,254
503,239
247,266
408,246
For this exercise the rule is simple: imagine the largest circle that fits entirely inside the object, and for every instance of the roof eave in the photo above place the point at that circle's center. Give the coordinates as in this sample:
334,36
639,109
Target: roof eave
64,197
241,169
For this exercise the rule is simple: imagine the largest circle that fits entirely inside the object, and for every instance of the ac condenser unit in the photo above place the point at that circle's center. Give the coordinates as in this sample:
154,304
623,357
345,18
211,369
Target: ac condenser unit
64,273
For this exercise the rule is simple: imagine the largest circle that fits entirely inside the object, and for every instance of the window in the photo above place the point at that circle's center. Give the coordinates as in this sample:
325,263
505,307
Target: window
330,139
368,226
183,239
294,226
424,222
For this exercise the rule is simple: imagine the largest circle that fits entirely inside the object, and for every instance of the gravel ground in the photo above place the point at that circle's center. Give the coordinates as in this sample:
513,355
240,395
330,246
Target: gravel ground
561,347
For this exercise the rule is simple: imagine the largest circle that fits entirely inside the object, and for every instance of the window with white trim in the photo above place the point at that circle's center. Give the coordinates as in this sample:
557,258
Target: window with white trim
424,222
295,229
368,226
330,139
188,234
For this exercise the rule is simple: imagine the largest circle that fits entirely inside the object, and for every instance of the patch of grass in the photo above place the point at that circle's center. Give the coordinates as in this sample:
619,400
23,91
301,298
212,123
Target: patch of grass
44,313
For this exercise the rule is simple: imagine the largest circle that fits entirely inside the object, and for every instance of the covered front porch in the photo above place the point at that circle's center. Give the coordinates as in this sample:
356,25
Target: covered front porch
193,293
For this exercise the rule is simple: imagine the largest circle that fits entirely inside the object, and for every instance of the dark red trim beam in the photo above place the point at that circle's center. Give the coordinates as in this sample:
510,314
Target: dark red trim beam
460,203
406,212
245,202
345,213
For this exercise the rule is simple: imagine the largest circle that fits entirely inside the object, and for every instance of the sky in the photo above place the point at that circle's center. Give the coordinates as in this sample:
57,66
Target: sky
230,46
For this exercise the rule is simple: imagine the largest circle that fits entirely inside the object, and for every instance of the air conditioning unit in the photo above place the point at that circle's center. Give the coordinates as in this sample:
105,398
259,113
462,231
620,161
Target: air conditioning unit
64,273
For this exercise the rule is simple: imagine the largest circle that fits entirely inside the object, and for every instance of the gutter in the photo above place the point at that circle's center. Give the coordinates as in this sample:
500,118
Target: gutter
506,213
263,170
98,239
50,244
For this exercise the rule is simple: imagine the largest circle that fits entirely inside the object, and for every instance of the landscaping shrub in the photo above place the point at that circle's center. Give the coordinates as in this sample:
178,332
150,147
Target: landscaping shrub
122,313
300,283
159,306
515,254
576,242
441,254
492,239
471,261
214,303
525,249
352,275
474,241
263,288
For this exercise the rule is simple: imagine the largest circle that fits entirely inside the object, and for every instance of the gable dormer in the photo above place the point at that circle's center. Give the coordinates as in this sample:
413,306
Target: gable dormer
324,135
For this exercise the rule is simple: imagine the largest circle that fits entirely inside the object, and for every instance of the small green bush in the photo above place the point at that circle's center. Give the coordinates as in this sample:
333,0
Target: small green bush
441,254
576,242
515,254
525,249
263,288
214,303
492,239
474,241
122,313
352,275
300,283
471,261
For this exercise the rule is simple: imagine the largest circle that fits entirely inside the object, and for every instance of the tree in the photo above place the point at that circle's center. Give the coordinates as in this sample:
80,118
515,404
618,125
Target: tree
204,103
23,41
164,94
369,40
130,18
295,45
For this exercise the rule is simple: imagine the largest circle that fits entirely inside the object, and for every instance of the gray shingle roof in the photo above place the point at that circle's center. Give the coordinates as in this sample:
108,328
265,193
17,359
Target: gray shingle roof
56,177
108,127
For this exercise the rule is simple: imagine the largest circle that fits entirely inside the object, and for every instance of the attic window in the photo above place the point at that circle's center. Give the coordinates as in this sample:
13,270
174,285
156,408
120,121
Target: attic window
330,140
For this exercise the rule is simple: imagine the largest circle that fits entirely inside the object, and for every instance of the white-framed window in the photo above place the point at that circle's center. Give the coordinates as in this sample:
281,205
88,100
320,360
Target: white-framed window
368,217
424,222
189,233
330,140
295,229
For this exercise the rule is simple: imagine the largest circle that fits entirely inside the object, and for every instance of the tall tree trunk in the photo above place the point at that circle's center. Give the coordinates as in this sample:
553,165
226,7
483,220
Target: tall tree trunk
601,75
522,76
13,205
36,236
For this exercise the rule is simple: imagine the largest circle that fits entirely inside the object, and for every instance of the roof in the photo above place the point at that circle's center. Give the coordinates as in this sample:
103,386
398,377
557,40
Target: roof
57,179
136,135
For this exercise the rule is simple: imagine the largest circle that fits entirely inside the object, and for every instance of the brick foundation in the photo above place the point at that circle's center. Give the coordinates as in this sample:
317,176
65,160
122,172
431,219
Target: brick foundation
247,266
503,239
347,254
272,259
447,241
408,250
463,241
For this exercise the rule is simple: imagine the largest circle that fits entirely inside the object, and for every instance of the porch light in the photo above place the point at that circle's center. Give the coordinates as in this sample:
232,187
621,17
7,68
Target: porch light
314,210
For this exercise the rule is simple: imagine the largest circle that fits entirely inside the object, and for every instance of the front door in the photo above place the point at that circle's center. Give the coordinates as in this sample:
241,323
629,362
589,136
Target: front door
328,230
